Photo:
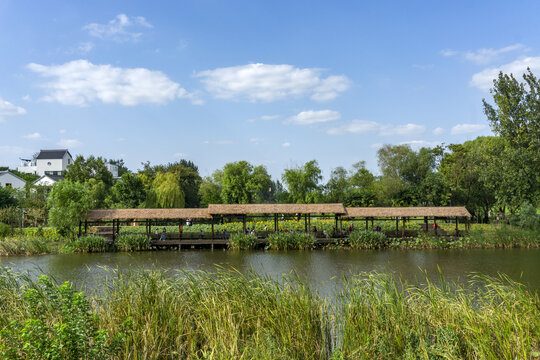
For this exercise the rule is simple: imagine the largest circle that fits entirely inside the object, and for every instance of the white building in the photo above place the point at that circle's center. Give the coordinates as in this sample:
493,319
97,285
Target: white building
113,169
48,180
47,162
9,180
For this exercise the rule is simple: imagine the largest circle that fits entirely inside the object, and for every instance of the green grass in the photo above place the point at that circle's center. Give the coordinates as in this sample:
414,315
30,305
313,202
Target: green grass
290,241
242,242
224,314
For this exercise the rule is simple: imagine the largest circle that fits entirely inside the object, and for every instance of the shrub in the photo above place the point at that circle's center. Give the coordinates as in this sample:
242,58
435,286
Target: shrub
528,218
366,239
132,242
90,243
290,241
59,325
243,241
5,230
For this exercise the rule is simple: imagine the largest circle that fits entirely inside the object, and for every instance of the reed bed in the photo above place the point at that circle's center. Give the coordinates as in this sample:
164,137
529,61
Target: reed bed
224,314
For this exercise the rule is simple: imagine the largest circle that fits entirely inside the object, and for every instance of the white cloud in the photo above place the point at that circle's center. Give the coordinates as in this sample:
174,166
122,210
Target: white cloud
121,139
8,109
313,117
402,130
33,136
13,149
256,141
363,126
484,56
263,82
467,129
85,47
269,117
180,155
62,131
438,131
355,127
418,144
484,79
286,144
119,29
69,143
80,82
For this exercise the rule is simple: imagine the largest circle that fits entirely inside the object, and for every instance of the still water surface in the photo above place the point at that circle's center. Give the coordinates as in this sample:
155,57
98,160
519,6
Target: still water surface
323,270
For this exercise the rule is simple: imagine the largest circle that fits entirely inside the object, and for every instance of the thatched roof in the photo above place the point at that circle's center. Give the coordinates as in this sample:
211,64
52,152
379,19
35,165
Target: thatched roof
239,209
444,211
109,214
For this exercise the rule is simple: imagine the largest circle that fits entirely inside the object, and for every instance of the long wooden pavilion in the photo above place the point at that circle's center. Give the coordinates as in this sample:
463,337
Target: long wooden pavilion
110,220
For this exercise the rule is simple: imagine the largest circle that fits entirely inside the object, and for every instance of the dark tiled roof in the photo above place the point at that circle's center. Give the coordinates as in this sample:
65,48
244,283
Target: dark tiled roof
52,154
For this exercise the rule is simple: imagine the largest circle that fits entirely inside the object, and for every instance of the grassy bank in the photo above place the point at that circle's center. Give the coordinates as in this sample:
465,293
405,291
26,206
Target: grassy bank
227,315
35,241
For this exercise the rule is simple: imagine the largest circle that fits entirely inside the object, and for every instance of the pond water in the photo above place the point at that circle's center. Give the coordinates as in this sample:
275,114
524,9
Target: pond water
323,270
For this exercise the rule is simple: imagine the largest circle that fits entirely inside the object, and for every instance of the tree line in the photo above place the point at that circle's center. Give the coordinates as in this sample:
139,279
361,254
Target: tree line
490,174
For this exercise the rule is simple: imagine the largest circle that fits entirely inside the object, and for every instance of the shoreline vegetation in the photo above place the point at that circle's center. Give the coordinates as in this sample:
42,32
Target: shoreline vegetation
209,314
36,241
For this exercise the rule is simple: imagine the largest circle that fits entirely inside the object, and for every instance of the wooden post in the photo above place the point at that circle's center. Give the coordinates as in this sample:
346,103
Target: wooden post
371,224
435,223
212,232
403,227
340,225
275,223
457,226
305,222
397,225
113,230
309,221
244,222
366,224
426,223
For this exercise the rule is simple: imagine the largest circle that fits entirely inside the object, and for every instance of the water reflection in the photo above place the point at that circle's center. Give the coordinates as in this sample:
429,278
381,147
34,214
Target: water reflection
323,270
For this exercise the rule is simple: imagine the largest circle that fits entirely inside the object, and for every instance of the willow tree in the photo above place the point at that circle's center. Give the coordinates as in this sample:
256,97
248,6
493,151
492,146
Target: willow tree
167,191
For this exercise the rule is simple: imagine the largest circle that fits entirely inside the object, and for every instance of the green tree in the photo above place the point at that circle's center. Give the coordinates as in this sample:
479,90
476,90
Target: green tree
83,170
303,182
338,186
210,189
7,197
244,184
167,191
69,204
515,116
128,192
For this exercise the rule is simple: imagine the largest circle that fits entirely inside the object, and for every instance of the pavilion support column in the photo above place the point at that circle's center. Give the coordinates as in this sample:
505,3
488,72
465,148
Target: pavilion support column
403,228
426,224
457,226
150,228
435,223
305,222
371,224
114,230
244,222
366,224
397,225
341,224
212,232
336,227
309,221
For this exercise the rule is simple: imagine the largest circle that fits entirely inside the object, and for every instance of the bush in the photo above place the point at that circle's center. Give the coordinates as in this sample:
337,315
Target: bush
59,325
5,230
366,239
132,242
89,244
528,218
290,241
243,241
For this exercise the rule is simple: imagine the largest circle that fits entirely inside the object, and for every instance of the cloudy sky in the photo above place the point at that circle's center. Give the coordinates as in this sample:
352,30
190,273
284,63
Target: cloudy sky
276,83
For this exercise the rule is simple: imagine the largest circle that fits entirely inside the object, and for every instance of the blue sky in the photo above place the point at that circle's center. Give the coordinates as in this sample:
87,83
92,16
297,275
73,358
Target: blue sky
276,83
